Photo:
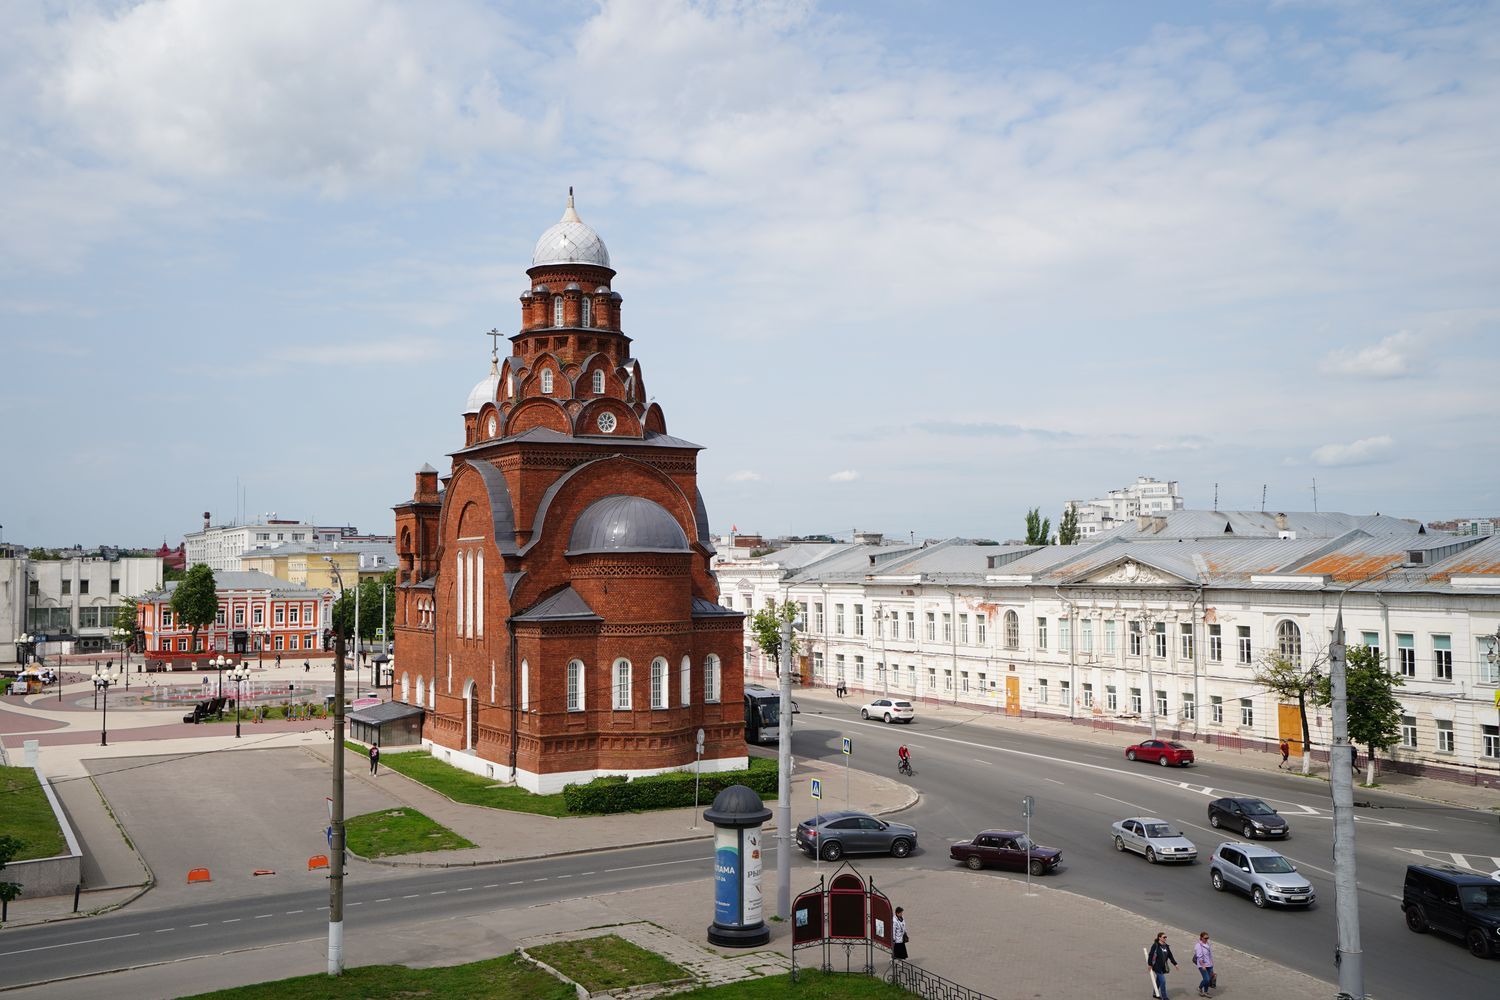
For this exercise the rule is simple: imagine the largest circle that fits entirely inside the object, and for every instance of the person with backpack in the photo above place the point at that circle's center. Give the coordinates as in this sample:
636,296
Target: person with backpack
1203,958
1157,959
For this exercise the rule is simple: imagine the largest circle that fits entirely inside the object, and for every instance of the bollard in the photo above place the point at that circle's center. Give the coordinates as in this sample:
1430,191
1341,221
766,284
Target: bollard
77,891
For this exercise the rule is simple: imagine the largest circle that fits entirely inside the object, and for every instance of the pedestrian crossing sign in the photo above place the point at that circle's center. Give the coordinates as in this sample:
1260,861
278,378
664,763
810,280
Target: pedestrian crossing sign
817,788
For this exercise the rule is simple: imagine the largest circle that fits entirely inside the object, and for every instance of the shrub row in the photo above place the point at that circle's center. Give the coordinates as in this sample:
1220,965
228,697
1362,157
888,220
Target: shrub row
614,793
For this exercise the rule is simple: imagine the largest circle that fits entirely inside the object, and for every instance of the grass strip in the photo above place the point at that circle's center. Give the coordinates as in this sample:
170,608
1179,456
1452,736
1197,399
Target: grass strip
461,786
26,815
386,832
607,962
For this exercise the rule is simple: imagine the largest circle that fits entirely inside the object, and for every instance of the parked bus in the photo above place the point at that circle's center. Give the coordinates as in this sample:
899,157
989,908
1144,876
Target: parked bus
763,714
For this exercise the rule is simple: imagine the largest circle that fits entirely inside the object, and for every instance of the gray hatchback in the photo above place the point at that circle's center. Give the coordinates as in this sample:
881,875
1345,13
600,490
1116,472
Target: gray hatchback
838,833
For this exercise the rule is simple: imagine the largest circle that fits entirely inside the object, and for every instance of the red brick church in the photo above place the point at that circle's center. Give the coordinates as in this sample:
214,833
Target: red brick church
556,615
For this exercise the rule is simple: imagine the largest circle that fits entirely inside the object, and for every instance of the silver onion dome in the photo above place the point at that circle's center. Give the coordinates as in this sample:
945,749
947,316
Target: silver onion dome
485,389
570,242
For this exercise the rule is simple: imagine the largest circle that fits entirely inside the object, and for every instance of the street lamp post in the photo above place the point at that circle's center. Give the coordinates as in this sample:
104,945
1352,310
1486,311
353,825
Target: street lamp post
219,663
102,680
237,676
336,807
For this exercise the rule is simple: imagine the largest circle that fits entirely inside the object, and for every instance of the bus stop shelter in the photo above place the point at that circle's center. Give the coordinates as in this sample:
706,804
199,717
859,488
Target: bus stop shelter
389,724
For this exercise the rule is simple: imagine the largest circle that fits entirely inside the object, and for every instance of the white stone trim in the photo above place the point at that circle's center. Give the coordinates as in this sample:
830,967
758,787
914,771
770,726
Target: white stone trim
552,782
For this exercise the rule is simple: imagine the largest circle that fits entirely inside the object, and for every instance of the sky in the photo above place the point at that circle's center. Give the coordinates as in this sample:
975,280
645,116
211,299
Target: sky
900,266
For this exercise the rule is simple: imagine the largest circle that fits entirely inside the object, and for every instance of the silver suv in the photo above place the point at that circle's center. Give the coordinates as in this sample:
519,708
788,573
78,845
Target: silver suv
1260,871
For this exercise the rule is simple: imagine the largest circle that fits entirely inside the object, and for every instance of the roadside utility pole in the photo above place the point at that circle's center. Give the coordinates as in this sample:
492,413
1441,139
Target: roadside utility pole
336,808
1348,957
784,781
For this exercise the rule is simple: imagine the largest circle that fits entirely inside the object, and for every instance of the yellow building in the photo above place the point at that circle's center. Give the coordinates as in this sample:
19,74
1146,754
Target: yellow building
312,568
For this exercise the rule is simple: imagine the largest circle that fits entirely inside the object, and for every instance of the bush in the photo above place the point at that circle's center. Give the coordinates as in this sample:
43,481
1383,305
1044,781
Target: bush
613,793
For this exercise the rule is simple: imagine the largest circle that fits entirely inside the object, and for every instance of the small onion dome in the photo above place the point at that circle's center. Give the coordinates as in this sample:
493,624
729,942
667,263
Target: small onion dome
622,523
570,242
602,290
542,289
526,294
485,389
616,297
572,287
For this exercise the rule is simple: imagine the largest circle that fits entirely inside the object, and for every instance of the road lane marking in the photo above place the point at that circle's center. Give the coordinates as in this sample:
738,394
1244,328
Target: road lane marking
978,761
385,900
542,879
496,885
355,904
465,889
262,916
70,944
522,882
1122,802
413,895
164,930
438,892
191,926
658,864
292,912
231,920
1054,781
591,873
564,876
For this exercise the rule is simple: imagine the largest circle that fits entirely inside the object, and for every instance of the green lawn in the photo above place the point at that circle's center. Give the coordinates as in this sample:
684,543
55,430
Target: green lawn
512,978
461,786
27,816
608,962
398,831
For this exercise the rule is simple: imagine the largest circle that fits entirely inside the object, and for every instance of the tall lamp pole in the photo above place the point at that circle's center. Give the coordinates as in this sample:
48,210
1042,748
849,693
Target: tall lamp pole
102,679
336,819
238,676
784,778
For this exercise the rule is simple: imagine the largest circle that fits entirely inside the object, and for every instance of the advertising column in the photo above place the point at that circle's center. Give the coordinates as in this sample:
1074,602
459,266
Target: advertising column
737,815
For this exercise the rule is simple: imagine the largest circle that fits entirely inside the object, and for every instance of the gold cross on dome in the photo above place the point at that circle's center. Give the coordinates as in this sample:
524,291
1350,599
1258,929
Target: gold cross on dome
494,336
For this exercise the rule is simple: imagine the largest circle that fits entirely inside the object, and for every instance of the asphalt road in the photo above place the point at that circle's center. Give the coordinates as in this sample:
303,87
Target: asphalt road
973,777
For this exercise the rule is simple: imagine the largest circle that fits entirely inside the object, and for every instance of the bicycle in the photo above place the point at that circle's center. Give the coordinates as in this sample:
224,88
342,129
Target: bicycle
904,767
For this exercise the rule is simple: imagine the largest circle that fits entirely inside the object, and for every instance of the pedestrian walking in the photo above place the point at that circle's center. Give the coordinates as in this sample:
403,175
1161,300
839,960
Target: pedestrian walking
1203,958
278,661
899,936
306,667
1157,959
1286,752
374,759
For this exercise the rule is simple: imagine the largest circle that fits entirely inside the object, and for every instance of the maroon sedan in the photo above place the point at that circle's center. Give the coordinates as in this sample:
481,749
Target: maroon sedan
1163,752
1005,849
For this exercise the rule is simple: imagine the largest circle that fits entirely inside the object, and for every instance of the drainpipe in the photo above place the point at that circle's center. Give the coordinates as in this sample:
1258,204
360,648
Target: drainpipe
1072,655
953,640
510,626
1148,638
1198,641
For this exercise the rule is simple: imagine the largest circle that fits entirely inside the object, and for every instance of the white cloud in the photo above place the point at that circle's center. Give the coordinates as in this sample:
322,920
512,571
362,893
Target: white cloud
846,476
1365,451
401,351
744,476
1393,357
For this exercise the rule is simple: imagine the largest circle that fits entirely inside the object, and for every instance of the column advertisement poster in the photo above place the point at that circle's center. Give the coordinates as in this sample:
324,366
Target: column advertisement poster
727,877
750,865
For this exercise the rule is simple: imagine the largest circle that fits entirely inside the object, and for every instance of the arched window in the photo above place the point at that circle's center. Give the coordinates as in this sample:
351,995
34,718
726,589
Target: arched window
421,689
479,593
659,683
711,678
1289,641
557,310
510,385
598,383
1012,630
588,311
546,381
525,685
406,689
458,605
622,684
575,685
685,695
432,694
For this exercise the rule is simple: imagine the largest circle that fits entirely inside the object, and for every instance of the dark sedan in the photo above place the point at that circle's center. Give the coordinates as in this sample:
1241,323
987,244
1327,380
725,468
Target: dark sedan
1005,849
1163,752
835,834
1251,817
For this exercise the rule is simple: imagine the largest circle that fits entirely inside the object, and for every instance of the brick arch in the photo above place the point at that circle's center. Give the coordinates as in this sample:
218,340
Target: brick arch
628,426
538,411
482,431
472,520
532,384
656,420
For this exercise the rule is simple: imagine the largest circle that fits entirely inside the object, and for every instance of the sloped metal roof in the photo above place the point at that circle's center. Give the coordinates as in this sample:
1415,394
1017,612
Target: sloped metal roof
565,605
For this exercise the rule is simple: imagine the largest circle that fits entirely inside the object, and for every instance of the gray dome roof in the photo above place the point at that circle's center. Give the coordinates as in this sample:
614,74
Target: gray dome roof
626,524
484,390
570,242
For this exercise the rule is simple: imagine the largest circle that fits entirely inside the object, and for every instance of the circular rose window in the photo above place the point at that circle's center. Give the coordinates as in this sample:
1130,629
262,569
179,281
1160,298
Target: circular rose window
606,423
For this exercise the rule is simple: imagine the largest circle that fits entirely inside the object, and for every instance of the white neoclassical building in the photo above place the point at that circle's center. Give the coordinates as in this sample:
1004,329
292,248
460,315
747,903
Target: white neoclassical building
1169,612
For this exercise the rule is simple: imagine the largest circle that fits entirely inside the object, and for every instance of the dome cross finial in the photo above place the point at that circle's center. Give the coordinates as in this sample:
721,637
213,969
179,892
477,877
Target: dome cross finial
571,214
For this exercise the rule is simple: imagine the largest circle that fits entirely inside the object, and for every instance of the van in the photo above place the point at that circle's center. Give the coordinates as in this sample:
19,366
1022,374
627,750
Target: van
1461,904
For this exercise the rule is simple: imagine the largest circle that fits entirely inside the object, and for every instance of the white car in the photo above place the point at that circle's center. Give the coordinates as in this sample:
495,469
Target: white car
1154,839
889,709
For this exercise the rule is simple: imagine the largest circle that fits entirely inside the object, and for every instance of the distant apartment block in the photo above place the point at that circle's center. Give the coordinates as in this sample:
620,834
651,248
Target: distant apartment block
222,547
67,604
1145,496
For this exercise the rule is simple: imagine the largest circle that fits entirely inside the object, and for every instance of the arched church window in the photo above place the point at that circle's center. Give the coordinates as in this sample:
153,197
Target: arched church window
1012,630
557,310
622,684
685,696
575,685
510,385
1289,641
711,678
598,383
546,382
658,683
588,311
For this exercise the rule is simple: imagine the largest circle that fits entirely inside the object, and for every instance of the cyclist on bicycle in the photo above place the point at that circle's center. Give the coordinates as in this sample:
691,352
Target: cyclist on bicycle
904,756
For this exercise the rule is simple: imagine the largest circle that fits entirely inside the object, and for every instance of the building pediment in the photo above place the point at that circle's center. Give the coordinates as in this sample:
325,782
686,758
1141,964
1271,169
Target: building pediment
1130,572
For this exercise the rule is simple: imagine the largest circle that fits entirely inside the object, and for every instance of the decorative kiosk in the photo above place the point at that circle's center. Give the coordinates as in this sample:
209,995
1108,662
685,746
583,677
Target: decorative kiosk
737,815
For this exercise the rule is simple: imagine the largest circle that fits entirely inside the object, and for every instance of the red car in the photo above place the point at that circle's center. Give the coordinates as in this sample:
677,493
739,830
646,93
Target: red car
1163,752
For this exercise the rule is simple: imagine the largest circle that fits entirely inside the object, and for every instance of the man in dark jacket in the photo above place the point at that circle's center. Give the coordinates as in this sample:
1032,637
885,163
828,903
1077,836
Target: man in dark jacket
1157,958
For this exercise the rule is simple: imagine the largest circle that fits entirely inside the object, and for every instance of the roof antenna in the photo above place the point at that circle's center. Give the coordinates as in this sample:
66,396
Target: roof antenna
1216,496
1262,498
1315,494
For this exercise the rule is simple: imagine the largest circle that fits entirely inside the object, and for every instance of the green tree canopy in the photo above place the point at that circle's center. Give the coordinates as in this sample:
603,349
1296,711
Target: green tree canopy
1292,681
1374,709
1038,528
125,621
1067,530
369,609
765,625
195,601
9,848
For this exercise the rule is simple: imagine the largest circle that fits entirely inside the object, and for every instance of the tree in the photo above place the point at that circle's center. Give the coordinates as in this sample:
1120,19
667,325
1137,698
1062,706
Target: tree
1374,709
1067,531
195,601
369,609
1292,682
1038,528
766,624
125,622
9,848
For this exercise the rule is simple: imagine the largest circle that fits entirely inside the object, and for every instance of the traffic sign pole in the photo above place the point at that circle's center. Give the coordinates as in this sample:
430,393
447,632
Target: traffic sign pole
817,794
1028,806
848,756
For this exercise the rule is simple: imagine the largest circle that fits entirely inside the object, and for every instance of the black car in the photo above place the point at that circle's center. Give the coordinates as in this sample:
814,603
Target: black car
1251,817
1465,905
